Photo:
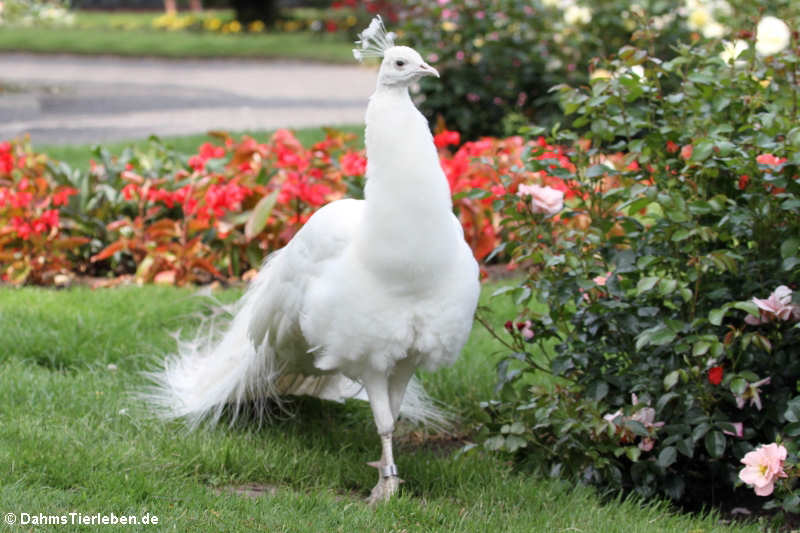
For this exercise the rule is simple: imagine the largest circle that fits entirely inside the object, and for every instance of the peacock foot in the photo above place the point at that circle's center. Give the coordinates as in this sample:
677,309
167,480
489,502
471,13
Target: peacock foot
388,484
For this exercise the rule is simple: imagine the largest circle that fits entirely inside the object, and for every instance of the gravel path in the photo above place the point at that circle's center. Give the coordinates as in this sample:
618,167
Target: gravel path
61,99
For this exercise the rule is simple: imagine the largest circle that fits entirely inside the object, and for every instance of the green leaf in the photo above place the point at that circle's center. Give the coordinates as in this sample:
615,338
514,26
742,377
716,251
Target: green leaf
700,431
792,430
738,385
790,247
260,214
667,457
702,150
792,413
633,453
595,171
749,307
791,503
715,443
515,442
517,428
700,348
681,234
494,443
686,447
645,284
715,316
671,379
636,427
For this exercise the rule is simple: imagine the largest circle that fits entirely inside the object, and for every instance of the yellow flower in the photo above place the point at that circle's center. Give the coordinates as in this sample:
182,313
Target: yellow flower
212,24
235,26
478,42
351,21
256,26
764,83
449,25
292,25
476,58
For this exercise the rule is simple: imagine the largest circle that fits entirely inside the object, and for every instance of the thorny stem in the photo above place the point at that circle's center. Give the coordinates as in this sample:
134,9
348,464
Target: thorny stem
511,347
492,332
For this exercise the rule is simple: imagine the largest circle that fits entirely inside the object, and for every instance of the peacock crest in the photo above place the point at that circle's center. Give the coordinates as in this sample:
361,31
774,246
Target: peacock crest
374,40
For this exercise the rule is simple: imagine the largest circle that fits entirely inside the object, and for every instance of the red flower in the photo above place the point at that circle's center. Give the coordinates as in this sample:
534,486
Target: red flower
744,179
686,151
129,191
61,197
353,164
715,375
6,158
209,151
446,138
769,159
197,162
22,227
672,147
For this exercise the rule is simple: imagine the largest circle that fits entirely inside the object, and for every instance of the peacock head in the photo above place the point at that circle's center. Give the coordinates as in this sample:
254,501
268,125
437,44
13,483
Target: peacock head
401,65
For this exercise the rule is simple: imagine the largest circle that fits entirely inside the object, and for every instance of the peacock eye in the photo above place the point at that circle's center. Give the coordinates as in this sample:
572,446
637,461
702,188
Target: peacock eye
399,62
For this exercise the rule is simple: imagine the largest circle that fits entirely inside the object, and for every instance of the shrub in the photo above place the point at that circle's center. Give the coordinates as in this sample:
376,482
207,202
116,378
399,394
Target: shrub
663,297
499,59
35,13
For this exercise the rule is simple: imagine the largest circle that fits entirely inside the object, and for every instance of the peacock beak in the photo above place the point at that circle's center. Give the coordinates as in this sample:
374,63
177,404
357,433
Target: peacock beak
427,70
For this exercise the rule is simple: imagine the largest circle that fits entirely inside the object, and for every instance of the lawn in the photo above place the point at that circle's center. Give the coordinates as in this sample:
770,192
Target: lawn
73,440
130,34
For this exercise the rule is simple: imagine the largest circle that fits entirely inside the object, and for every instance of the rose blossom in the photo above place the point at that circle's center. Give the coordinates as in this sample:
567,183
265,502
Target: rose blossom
772,36
777,306
543,199
732,50
764,466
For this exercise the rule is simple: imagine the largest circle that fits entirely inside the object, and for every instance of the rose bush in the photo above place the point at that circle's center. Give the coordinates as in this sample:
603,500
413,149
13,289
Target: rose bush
663,296
498,59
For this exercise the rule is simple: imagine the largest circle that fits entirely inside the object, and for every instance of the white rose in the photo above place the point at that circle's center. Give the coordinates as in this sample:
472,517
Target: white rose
732,50
575,15
772,36
543,199
714,30
699,18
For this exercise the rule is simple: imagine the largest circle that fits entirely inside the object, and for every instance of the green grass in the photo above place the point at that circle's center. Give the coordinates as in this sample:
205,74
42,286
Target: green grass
72,439
130,34
78,155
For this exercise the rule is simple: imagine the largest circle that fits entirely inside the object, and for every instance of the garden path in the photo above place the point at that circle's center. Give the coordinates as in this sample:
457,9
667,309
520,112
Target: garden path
62,99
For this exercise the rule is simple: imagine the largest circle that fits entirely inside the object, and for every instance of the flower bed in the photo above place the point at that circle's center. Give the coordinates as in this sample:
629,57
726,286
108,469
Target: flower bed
167,218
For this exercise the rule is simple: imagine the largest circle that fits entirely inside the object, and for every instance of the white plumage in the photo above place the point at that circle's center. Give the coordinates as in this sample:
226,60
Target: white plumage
364,294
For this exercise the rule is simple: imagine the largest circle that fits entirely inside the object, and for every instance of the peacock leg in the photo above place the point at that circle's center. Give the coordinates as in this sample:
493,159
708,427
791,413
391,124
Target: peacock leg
379,399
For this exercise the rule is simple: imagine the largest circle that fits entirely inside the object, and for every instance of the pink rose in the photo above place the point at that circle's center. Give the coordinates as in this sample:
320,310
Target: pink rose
778,306
763,466
543,199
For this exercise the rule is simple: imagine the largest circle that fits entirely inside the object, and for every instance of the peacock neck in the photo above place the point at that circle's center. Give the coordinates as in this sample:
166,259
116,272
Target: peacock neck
408,206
